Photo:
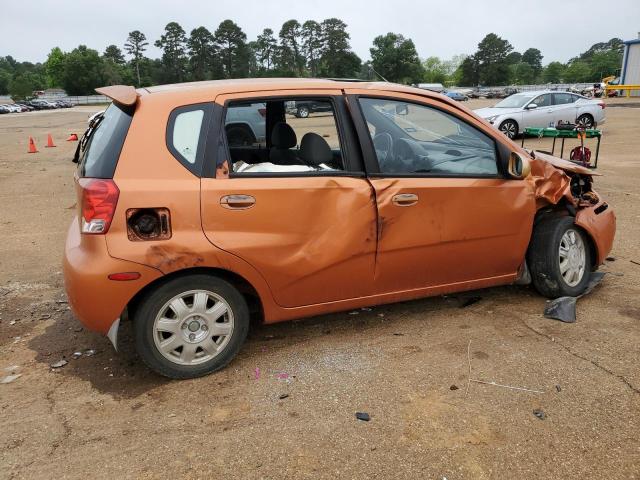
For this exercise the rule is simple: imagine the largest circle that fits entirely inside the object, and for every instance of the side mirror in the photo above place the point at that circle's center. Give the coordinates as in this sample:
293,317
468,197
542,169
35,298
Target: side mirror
402,109
531,106
518,166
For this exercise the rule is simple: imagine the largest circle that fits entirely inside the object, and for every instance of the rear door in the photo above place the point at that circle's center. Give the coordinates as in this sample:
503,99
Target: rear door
298,208
564,107
447,218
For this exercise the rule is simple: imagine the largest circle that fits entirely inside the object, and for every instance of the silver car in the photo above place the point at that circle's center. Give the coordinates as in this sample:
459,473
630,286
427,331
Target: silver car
543,109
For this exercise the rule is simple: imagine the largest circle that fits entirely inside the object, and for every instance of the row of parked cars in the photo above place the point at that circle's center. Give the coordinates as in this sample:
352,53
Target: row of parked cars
29,106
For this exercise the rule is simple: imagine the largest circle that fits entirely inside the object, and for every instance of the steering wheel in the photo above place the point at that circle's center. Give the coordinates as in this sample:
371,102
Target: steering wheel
383,144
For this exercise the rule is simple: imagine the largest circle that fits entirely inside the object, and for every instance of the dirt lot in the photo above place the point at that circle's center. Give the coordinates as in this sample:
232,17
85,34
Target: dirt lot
107,416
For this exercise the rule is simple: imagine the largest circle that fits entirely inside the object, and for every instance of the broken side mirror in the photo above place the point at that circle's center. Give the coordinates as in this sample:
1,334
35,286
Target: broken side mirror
518,166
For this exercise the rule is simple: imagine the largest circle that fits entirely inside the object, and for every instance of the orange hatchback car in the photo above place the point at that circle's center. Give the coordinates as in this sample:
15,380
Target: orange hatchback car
203,204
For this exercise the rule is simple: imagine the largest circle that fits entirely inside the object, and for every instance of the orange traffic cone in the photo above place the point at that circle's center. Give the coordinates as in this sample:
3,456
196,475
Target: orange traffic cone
49,141
32,146
72,138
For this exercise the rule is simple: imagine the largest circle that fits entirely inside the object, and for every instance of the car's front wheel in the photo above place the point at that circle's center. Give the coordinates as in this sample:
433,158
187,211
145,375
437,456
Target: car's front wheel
509,128
559,258
302,112
191,326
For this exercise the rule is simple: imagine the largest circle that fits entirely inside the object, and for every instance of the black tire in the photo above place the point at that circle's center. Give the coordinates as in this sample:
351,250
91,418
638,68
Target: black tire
585,120
240,136
544,259
154,301
509,128
302,112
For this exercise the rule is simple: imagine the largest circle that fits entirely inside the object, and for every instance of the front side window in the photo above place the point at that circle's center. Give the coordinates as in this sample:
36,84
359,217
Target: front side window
543,100
417,139
289,135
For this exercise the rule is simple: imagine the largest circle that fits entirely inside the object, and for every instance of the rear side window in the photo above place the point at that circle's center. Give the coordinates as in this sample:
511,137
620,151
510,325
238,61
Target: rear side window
102,143
186,134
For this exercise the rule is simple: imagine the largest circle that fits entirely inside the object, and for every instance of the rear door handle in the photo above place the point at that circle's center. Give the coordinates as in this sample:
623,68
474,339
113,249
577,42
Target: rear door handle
405,199
237,202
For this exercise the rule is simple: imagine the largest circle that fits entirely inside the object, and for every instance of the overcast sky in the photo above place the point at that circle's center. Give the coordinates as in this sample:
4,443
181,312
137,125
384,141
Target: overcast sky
559,28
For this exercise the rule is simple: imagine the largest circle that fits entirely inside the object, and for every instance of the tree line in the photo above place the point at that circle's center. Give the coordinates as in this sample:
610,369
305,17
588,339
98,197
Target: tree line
308,49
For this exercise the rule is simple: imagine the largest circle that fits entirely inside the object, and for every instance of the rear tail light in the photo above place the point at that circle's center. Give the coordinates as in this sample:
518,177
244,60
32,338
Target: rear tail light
263,112
602,105
98,202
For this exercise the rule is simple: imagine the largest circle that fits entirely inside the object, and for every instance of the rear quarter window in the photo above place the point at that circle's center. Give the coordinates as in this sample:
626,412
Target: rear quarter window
103,143
187,133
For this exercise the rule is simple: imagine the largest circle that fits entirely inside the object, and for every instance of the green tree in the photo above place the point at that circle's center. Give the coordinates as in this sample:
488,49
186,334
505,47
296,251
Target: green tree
54,67
522,74
291,60
604,64
113,54
135,46
202,53
578,71
337,59
312,45
468,72
533,57
22,86
435,71
554,72
5,80
231,42
173,43
84,71
396,59
266,49
492,60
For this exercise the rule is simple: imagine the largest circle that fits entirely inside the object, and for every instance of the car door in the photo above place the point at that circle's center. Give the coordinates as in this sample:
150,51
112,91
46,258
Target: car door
542,115
564,107
446,217
309,233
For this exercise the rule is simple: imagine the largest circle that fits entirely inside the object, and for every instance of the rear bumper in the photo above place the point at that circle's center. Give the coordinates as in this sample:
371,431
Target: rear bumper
94,299
600,224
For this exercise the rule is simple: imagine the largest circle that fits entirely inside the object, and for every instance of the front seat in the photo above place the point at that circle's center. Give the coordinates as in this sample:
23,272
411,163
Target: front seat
315,151
283,138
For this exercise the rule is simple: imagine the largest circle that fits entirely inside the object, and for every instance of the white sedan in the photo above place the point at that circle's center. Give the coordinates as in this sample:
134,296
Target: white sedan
542,109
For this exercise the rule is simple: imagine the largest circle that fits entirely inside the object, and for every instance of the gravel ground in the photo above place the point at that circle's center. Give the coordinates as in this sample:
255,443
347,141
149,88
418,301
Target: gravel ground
104,415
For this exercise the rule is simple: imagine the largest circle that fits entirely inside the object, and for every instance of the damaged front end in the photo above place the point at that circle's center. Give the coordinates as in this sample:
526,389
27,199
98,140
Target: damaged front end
563,186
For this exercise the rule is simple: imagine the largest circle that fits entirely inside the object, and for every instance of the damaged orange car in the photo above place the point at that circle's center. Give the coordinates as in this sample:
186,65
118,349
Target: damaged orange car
203,204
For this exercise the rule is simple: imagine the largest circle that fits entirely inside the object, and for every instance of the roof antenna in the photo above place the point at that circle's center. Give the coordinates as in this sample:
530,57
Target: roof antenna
374,71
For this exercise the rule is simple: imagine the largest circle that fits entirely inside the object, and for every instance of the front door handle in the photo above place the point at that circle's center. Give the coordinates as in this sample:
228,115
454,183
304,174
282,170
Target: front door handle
237,202
405,199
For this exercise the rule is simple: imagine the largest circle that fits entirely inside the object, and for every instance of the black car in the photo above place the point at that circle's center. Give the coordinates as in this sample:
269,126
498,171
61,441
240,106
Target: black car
303,109
40,104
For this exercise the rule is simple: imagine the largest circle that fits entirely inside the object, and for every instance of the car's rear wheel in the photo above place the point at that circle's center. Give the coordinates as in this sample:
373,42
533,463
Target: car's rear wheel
191,326
240,136
559,258
585,120
302,112
509,128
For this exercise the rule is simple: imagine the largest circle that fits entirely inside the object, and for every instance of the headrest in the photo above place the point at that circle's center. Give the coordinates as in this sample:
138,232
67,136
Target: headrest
314,150
283,136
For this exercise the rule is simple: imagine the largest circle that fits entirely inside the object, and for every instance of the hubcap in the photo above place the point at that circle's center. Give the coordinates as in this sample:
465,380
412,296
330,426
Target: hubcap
193,327
509,129
584,122
572,257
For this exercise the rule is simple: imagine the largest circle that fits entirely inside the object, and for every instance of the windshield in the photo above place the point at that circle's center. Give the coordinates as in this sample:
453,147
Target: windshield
101,144
515,101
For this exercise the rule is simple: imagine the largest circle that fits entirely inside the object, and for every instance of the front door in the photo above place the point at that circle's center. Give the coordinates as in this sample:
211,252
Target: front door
295,205
446,216
542,115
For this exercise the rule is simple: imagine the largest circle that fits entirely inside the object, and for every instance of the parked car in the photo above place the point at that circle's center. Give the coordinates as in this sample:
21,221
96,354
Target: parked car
303,109
12,107
4,109
41,104
245,124
25,107
189,236
456,95
543,109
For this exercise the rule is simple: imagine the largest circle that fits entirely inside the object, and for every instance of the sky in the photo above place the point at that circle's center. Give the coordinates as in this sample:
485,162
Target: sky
561,29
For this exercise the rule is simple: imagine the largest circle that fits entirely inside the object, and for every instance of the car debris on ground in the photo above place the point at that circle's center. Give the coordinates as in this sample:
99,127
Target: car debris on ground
564,308
363,416
59,364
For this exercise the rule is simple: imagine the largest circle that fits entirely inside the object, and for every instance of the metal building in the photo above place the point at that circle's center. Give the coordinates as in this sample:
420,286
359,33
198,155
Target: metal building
630,73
